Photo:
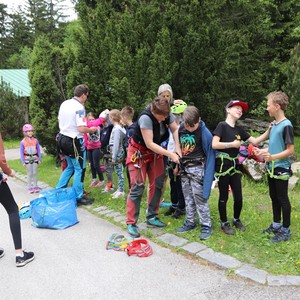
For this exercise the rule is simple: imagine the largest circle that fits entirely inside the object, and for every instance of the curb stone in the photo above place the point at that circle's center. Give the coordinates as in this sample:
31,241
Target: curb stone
221,260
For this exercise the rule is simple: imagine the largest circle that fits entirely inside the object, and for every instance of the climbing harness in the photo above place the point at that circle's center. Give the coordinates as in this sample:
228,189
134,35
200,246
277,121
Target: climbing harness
118,242
282,175
232,170
139,247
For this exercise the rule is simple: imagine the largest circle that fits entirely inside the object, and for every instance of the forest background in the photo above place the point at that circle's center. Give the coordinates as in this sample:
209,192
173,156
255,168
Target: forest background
209,51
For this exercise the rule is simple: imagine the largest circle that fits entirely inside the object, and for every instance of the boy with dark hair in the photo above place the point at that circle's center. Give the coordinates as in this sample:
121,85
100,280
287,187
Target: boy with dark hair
197,167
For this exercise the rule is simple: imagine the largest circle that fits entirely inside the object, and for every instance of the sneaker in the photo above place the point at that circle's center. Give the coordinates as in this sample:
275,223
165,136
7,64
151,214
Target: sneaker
271,229
170,211
30,190
155,222
1,252
109,188
239,225
281,235
205,233
227,229
187,226
118,194
100,183
178,213
36,189
133,230
93,183
85,193
85,201
22,261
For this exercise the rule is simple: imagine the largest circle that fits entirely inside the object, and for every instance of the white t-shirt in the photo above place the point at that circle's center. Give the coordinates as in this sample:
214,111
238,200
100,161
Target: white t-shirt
71,114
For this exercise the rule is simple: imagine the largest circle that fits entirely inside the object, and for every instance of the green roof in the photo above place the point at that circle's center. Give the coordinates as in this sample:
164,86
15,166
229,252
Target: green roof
18,81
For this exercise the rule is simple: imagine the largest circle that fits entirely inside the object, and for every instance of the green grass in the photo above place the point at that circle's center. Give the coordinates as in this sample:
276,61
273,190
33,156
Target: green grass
251,246
10,144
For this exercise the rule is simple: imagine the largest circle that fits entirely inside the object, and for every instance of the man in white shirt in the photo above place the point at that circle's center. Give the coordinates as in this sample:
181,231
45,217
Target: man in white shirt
72,125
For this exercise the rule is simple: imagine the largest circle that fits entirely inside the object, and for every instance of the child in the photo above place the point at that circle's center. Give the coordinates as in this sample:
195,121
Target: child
92,143
177,209
31,156
281,146
127,114
116,148
104,139
197,167
227,140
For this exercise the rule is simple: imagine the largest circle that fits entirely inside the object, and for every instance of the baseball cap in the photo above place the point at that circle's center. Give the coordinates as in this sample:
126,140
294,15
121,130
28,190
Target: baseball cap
244,105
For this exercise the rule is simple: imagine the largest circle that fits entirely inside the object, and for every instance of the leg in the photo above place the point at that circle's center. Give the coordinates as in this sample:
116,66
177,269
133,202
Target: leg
236,187
91,161
96,163
223,197
66,174
29,175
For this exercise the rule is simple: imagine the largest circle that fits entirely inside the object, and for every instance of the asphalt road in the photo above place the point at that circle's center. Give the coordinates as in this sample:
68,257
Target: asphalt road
74,264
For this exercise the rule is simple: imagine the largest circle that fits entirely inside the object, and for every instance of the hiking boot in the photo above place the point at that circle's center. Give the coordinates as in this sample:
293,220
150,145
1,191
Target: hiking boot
170,211
281,235
155,222
85,201
133,230
227,229
178,213
271,229
187,226
1,252
239,225
205,233
22,261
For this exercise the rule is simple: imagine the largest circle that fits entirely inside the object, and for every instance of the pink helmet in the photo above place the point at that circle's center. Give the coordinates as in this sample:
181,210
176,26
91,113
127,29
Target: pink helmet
27,127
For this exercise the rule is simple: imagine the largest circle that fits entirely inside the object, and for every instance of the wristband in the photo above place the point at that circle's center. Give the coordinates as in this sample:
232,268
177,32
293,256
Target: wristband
226,146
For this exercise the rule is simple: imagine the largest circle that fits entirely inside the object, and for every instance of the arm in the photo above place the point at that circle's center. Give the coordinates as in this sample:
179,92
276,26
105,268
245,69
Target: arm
174,129
116,145
216,144
148,138
22,153
85,129
287,152
260,138
38,150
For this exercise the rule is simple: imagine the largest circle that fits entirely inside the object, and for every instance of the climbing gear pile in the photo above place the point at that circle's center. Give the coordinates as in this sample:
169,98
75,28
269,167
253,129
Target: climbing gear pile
138,247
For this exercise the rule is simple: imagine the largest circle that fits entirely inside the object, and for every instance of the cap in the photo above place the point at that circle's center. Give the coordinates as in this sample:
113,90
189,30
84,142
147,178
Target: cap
163,88
244,105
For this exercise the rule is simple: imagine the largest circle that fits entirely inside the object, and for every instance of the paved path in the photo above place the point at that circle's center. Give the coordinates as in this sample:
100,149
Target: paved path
74,264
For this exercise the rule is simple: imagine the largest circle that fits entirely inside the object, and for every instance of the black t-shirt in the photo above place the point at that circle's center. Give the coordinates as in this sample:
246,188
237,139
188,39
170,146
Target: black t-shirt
228,134
191,143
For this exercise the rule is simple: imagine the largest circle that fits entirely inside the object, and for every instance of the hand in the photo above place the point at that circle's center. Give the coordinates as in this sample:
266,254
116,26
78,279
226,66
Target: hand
174,157
104,114
12,173
267,156
93,129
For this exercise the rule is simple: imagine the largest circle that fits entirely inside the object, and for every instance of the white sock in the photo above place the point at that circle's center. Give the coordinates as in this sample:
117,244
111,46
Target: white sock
21,254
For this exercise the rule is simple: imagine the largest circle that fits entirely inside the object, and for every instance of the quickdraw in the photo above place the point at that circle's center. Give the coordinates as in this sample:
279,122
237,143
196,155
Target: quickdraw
232,170
139,247
118,242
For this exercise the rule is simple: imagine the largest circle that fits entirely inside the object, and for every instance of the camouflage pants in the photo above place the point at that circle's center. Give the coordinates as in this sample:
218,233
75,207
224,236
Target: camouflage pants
192,187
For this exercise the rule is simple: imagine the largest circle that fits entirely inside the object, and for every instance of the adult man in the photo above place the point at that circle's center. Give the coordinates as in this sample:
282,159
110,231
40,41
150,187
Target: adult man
72,125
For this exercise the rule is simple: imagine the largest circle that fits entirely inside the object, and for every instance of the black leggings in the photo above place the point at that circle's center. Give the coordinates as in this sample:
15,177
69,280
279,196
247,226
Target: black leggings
11,207
278,190
236,187
94,159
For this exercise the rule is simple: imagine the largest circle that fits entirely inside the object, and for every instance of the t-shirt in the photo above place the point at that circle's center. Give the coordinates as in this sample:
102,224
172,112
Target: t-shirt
145,122
228,134
71,115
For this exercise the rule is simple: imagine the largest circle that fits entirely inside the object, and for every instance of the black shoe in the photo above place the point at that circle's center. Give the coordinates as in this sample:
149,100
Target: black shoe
85,201
170,211
271,229
178,213
22,261
227,229
281,235
239,225
1,252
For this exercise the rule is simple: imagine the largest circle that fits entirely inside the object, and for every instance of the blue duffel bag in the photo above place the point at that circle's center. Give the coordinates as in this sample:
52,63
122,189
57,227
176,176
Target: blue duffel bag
54,209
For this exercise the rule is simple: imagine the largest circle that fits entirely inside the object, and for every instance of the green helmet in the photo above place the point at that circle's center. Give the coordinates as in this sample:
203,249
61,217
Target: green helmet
178,108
